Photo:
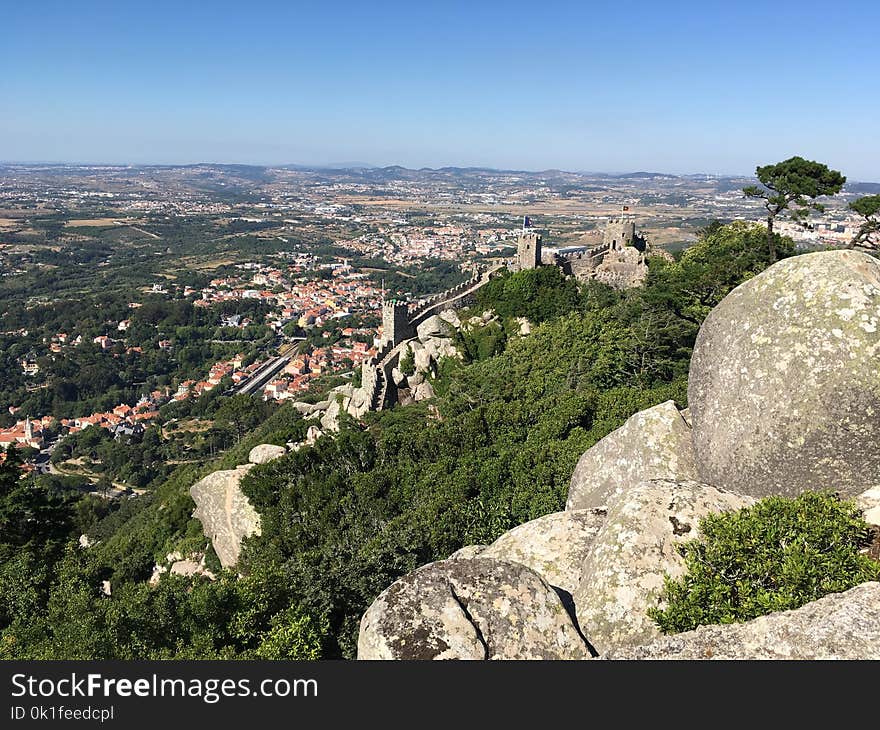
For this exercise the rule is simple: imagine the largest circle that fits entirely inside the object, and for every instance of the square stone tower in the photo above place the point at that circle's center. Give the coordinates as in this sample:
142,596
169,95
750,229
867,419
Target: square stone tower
528,250
395,322
619,232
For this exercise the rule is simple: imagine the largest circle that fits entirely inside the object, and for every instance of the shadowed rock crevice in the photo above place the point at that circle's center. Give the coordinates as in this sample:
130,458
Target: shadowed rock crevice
463,606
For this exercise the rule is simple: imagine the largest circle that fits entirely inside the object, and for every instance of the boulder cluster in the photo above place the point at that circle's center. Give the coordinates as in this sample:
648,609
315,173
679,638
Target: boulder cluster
432,343
783,396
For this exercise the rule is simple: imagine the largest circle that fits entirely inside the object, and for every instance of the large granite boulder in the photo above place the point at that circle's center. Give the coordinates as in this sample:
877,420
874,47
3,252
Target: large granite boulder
423,391
265,453
784,388
423,360
226,515
838,626
633,551
652,444
359,403
312,435
450,316
330,419
434,326
467,552
555,546
440,347
397,377
469,609
525,327
306,409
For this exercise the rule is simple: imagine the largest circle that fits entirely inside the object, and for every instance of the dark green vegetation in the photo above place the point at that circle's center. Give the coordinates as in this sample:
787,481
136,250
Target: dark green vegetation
144,459
792,186
868,235
418,280
774,556
343,519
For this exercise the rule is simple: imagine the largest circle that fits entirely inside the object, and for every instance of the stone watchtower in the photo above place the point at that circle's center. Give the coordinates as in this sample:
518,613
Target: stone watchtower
528,247
619,232
395,322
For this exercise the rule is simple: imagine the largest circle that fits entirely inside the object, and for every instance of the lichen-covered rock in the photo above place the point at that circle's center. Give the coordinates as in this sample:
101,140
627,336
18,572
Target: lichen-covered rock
469,609
634,549
839,626
869,502
265,453
555,546
784,388
652,444
226,515
467,552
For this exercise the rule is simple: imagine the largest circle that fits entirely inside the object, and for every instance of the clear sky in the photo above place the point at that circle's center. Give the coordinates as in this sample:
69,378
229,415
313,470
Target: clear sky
670,85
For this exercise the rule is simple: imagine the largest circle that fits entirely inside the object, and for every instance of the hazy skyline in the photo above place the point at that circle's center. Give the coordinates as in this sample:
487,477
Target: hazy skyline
681,87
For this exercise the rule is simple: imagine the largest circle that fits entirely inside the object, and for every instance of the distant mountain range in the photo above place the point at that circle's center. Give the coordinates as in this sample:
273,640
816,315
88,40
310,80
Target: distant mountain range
392,172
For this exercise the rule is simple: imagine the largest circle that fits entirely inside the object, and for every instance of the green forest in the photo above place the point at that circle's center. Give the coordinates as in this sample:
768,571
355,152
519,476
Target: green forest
343,519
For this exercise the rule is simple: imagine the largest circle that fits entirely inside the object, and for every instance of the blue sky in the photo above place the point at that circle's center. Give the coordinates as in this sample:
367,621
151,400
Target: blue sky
608,86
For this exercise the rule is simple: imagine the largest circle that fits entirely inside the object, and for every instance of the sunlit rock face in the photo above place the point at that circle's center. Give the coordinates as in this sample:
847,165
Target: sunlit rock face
784,386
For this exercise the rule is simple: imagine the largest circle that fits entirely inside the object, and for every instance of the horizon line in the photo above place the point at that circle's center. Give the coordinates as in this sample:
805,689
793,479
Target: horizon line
361,165
370,166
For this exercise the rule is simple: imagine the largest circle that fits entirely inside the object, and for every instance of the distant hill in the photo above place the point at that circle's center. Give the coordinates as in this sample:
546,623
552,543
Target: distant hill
647,175
863,188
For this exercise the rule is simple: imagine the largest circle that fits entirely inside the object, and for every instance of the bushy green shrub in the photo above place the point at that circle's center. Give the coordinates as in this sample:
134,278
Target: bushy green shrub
407,363
773,556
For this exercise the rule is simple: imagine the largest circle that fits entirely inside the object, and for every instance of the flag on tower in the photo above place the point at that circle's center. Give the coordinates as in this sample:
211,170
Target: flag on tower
527,222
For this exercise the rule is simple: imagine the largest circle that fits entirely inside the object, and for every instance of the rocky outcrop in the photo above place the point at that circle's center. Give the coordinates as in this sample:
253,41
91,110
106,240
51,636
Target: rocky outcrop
784,388
869,502
652,444
451,317
439,347
784,396
467,552
226,515
838,626
423,391
176,564
635,547
469,609
307,409
434,326
265,453
555,546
